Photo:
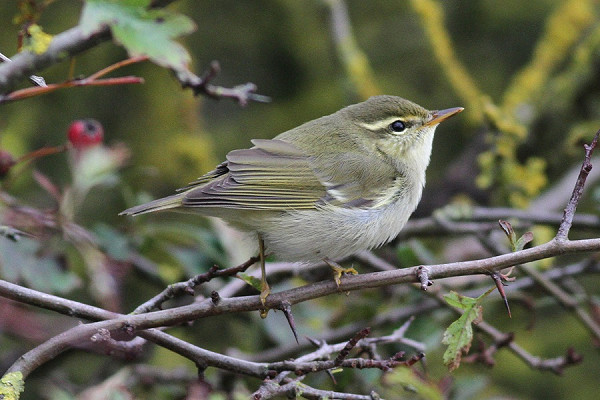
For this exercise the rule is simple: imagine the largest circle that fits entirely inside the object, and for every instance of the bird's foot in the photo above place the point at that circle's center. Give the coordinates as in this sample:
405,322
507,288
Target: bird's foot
338,271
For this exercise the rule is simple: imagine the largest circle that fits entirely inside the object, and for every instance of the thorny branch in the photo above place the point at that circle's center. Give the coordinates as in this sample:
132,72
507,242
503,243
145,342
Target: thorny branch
135,324
501,339
560,295
325,350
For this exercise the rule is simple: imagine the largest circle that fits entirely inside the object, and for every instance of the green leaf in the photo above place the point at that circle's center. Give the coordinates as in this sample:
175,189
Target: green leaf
459,334
142,31
459,301
251,280
459,337
12,385
523,240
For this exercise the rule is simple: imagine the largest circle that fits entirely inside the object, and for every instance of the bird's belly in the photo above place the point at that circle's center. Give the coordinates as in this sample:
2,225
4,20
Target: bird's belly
332,232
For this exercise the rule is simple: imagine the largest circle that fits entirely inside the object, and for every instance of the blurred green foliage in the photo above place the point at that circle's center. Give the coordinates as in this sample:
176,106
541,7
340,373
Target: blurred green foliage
527,73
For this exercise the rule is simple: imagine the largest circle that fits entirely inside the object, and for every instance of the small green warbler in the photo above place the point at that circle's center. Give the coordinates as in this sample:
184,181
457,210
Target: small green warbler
331,187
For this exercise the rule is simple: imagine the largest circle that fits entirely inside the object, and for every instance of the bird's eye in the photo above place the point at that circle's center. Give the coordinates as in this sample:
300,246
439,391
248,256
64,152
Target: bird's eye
397,126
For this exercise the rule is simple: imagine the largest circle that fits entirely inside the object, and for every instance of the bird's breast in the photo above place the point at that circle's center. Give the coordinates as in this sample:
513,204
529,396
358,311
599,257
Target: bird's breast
335,232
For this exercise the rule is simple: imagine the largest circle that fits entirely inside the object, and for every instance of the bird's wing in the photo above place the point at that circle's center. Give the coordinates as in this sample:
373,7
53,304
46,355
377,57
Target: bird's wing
273,175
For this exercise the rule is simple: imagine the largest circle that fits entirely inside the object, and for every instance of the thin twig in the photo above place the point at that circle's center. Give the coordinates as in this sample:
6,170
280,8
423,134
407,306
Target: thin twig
586,167
296,388
325,350
555,365
350,345
117,65
187,287
36,91
302,368
241,93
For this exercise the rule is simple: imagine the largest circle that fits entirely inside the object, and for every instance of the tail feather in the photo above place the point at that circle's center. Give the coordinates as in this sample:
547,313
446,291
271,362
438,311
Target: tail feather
156,205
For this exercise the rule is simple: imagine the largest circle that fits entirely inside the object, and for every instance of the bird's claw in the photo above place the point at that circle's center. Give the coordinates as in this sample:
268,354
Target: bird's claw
338,271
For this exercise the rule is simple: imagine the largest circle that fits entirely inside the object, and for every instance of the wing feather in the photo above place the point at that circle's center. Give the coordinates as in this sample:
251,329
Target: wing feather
273,175
276,175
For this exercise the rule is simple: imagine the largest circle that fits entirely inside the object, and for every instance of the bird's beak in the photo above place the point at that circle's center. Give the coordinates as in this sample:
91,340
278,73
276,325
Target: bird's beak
439,116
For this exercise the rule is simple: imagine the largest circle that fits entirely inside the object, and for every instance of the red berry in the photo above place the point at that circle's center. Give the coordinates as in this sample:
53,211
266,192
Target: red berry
85,133
6,162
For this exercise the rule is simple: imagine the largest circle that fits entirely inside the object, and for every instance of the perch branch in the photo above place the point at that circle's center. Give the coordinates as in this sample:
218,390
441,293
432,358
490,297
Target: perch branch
135,324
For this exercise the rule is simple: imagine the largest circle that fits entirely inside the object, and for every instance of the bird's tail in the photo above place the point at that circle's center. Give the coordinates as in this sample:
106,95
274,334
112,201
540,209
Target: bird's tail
156,205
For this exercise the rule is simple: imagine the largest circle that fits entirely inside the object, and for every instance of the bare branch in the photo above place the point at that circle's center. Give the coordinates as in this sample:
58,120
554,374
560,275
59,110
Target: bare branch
350,345
555,365
586,167
134,323
242,93
295,388
187,287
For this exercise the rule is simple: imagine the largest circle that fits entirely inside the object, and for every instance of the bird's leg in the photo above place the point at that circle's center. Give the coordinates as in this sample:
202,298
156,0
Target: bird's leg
265,290
338,270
